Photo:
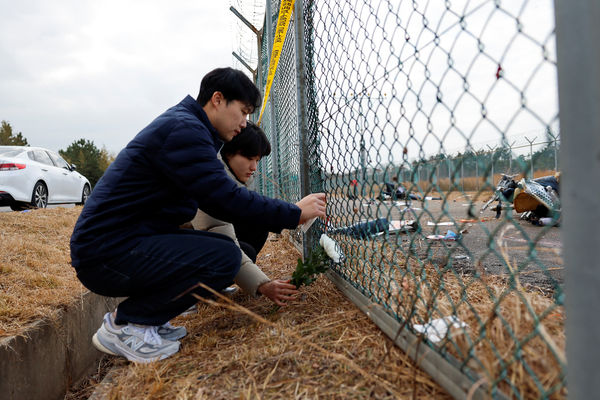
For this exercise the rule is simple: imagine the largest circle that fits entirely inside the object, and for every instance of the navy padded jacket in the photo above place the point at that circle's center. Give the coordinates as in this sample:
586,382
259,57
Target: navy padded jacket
156,183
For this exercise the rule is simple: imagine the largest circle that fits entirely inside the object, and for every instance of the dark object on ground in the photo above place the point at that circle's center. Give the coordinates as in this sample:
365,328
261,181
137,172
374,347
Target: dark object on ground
365,230
504,191
535,198
396,192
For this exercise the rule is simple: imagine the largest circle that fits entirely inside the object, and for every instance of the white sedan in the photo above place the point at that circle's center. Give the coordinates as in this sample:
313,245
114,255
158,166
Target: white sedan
36,177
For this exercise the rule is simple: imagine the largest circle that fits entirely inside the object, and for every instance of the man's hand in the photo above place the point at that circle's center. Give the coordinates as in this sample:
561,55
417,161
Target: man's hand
279,291
312,206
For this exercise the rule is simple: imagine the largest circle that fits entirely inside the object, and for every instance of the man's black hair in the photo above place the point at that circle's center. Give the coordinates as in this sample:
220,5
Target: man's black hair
234,85
250,142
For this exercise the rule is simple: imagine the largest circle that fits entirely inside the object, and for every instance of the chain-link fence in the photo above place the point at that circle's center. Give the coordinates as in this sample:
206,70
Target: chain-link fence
408,114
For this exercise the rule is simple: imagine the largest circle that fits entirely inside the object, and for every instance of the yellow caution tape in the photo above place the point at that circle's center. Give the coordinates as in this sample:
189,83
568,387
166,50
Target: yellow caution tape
283,21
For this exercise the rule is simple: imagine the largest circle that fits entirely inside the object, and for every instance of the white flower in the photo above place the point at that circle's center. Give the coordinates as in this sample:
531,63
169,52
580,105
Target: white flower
331,248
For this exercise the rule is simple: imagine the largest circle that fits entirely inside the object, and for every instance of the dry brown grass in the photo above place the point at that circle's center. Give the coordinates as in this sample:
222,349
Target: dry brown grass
36,278
511,330
321,346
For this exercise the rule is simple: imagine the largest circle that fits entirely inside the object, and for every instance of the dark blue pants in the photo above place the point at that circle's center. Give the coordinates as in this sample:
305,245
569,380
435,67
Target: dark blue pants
160,274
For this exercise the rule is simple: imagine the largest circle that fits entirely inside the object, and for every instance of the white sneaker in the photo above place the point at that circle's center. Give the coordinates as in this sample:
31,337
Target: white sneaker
138,343
170,332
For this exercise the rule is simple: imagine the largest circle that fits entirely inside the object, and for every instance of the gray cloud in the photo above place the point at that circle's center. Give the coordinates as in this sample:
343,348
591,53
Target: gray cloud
103,70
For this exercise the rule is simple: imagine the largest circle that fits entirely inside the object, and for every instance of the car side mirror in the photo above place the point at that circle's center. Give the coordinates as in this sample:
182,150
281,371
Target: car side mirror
73,167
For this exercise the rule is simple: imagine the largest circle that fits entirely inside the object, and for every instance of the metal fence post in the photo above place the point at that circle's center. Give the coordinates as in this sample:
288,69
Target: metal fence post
477,169
530,154
577,33
268,28
462,174
302,113
259,82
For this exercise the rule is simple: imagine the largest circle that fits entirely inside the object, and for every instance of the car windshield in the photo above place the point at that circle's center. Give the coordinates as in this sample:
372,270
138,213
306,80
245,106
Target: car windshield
10,152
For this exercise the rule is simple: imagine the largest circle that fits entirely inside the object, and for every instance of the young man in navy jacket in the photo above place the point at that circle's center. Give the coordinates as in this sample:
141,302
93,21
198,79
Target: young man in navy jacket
127,241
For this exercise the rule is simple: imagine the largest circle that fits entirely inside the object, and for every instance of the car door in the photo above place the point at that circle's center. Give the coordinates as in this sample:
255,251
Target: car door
70,183
51,176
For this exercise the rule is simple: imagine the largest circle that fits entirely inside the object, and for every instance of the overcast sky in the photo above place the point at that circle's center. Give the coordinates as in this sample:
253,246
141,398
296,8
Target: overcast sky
102,70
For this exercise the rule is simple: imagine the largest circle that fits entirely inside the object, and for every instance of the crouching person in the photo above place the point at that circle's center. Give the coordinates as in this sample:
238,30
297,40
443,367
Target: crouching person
240,157
127,241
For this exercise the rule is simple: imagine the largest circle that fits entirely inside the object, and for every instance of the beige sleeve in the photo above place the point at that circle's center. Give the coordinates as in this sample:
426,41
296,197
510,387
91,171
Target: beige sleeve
250,276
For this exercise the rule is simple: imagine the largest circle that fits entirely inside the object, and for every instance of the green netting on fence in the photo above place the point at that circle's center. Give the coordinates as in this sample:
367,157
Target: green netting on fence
408,114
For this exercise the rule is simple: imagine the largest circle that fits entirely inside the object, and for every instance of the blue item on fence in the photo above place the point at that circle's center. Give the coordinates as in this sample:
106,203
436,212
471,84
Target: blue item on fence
365,230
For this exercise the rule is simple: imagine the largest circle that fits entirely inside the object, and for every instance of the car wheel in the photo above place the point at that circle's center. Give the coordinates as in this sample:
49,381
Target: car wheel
84,195
39,198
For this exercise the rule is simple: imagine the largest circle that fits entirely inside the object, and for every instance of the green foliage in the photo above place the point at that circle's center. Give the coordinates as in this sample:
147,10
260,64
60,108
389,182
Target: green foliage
87,158
106,158
306,272
7,138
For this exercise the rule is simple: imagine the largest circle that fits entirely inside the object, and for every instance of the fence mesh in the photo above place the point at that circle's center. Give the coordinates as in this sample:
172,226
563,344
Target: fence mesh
413,112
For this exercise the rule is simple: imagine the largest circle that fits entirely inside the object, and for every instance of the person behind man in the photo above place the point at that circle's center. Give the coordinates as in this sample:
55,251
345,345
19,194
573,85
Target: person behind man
241,156
127,241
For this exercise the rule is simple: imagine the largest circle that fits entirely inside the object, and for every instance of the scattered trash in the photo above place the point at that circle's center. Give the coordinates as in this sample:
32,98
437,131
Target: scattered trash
444,223
26,211
401,203
536,220
432,198
435,237
377,227
437,329
364,230
449,236
545,221
395,190
400,226
473,220
503,192
536,198
396,224
331,248
462,257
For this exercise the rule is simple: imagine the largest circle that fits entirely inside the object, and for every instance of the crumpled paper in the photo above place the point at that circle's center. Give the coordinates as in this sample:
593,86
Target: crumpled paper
331,248
437,329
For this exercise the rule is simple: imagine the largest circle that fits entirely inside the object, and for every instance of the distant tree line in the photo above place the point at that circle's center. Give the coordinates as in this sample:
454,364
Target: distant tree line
89,160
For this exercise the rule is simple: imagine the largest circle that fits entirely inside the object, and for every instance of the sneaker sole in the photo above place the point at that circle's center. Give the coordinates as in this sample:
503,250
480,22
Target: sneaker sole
100,347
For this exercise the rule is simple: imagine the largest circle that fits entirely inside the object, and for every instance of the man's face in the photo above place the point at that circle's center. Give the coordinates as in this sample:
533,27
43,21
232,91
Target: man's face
230,118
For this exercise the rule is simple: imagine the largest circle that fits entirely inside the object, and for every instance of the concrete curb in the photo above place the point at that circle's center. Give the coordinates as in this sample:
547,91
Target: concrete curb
102,390
52,355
